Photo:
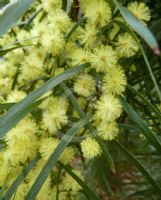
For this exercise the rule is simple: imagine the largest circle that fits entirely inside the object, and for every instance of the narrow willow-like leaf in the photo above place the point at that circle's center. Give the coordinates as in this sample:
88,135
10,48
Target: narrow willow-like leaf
125,27
150,106
138,27
12,189
15,78
6,106
102,169
140,167
91,195
5,51
74,28
68,7
93,131
21,109
64,4
29,21
22,114
54,157
12,12
128,126
1,193
137,119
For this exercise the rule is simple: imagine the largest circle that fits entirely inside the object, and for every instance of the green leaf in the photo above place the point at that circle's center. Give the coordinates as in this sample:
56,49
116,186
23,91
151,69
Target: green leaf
142,30
137,119
15,78
74,28
29,21
54,157
140,167
149,105
12,189
93,131
5,51
91,195
21,109
12,12
128,126
13,121
6,106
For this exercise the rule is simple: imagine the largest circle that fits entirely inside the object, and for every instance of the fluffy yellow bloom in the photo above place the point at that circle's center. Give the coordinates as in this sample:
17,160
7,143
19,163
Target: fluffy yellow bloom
4,168
32,66
79,56
15,96
84,85
126,45
54,119
7,68
53,42
69,183
5,85
22,35
15,57
88,36
103,58
140,10
32,175
68,155
51,5
98,13
54,116
108,131
108,108
47,147
114,81
25,130
21,151
90,148
45,191
21,191
6,40
39,29
60,20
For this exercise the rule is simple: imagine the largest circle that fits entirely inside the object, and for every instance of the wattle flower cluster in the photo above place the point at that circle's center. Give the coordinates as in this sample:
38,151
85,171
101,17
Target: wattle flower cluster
46,53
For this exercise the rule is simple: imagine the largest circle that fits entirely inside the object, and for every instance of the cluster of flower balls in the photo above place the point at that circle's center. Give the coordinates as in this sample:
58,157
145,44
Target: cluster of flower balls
97,88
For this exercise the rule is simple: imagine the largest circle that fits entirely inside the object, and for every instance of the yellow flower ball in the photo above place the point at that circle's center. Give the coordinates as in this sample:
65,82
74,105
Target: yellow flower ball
84,85
114,81
90,148
140,10
69,183
88,36
108,108
98,13
126,45
108,131
103,58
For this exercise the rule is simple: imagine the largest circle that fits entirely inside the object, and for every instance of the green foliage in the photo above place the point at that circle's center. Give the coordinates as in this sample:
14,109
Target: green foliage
16,9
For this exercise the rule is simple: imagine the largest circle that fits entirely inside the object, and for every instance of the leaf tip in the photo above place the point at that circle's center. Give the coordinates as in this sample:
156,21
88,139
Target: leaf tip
156,51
